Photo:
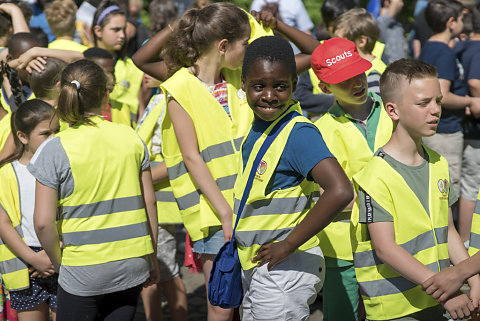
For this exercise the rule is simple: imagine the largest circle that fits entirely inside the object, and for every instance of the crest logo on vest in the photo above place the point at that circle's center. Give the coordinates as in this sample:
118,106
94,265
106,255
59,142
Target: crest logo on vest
261,169
443,187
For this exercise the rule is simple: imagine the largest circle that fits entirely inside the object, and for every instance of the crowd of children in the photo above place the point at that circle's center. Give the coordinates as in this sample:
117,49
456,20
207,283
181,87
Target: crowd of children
108,145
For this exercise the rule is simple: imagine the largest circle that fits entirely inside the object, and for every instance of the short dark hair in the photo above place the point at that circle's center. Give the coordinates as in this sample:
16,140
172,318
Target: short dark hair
408,69
467,24
18,42
438,12
269,48
331,9
475,20
96,52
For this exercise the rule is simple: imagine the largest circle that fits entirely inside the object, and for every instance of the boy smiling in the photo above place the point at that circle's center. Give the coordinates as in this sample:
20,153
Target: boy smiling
275,235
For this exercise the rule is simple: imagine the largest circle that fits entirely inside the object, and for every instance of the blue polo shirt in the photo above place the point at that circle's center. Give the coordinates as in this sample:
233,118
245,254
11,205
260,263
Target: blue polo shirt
448,66
470,59
305,148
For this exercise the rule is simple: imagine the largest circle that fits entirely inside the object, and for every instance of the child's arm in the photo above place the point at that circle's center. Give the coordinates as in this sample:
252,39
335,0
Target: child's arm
452,101
442,285
151,208
187,140
147,57
23,61
303,41
337,194
474,87
159,173
389,252
458,253
448,281
44,222
18,20
39,260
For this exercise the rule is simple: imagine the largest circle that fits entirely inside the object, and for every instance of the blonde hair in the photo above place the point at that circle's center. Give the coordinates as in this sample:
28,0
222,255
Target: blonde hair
356,23
61,16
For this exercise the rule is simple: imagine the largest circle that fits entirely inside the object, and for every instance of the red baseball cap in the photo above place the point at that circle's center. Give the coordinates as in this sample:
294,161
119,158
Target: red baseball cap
336,60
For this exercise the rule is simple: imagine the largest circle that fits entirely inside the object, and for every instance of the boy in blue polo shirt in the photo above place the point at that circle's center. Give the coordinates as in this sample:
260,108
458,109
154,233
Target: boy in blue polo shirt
276,232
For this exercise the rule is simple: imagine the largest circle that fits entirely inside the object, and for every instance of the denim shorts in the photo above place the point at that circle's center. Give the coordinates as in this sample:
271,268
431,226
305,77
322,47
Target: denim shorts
212,243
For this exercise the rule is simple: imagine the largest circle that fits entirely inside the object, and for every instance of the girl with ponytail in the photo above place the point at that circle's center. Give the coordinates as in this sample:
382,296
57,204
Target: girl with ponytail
26,270
207,115
107,216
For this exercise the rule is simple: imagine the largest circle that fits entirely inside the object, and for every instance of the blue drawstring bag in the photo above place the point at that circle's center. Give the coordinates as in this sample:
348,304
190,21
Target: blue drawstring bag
225,282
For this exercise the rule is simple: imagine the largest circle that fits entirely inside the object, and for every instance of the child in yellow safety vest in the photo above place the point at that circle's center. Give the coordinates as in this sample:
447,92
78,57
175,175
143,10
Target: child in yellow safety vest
207,115
359,26
26,270
354,127
171,284
402,227
108,29
276,233
102,194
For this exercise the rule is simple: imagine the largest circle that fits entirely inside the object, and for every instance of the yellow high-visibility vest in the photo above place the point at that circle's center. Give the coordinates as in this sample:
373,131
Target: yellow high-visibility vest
352,152
167,209
64,44
104,219
13,270
475,231
386,294
271,217
5,129
219,139
124,97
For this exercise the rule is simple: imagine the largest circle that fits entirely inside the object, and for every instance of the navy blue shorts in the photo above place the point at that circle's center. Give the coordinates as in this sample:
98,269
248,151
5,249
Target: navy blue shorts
40,290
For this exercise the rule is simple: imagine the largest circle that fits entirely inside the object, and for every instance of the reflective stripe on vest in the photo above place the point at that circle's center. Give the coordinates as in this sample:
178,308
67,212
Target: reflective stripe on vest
218,137
167,208
386,294
352,152
104,218
267,218
475,231
13,270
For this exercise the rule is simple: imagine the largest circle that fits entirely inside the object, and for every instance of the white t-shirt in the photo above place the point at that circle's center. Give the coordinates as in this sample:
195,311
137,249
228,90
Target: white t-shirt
26,184
292,12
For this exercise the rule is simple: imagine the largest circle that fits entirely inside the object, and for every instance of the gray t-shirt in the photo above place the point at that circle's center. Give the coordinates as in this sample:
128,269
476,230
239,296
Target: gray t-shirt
416,177
51,167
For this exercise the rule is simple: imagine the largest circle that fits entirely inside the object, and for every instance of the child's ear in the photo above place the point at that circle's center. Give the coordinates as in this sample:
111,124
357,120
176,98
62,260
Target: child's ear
361,42
324,87
294,84
450,22
97,30
222,46
22,137
392,110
